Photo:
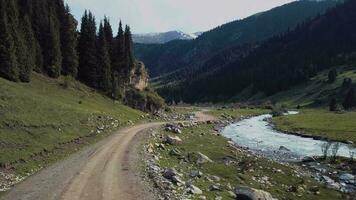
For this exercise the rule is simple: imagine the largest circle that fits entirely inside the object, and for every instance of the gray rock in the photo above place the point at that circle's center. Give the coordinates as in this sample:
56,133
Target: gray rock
348,178
232,194
283,148
175,152
203,159
253,194
215,178
215,187
169,173
194,190
177,180
173,140
196,173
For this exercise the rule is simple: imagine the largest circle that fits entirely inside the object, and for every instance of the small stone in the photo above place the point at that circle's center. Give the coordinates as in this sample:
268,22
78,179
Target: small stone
215,187
173,140
194,190
232,194
216,178
196,173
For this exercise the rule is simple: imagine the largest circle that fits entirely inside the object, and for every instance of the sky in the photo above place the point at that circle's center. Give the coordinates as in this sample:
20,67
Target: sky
147,16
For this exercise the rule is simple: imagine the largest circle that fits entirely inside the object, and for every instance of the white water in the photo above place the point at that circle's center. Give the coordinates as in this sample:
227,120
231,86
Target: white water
257,134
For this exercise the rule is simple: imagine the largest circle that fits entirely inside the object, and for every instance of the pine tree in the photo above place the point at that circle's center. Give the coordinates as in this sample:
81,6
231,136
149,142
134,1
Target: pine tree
118,50
108,35
8,67
87,71
104,63
118,64
19,40
39,21
350,100
68,44
128,55
53,54
30,44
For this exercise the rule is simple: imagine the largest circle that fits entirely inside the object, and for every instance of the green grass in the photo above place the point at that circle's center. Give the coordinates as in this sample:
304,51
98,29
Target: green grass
245,173
237,113
315,92
44,118
335,126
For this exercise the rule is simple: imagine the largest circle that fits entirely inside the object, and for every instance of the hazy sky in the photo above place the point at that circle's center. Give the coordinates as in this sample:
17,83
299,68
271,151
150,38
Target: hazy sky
164,15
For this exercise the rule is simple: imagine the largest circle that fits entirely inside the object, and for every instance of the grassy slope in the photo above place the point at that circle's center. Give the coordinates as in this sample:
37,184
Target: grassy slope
43,116
315,90
245,173
335,126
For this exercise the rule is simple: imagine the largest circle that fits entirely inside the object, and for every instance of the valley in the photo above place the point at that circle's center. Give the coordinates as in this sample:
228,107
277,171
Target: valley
259,107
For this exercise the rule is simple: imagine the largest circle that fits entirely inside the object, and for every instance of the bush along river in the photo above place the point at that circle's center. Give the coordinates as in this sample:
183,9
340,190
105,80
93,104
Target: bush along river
257,135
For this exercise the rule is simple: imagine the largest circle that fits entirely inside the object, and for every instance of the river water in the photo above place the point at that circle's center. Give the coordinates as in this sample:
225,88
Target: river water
258,135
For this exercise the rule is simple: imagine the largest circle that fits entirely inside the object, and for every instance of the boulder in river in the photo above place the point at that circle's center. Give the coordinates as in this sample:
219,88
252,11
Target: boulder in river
283,148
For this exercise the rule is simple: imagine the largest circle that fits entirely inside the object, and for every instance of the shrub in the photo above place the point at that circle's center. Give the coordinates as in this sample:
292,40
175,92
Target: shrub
333,105
332,76
350,100
347,83
325,149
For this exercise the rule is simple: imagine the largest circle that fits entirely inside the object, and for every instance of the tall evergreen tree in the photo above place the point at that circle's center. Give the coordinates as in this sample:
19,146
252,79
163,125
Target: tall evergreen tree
118,64
69,44
128,54
19,40
87,71
104,63
30,45
8,67
108,35
53,54
118,50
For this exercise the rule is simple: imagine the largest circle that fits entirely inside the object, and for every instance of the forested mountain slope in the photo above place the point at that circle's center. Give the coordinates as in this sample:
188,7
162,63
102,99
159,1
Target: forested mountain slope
324,42
165,58
42,36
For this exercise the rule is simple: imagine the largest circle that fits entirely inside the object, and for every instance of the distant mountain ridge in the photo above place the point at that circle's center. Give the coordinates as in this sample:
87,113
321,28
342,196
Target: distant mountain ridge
325,42
164,37
162,59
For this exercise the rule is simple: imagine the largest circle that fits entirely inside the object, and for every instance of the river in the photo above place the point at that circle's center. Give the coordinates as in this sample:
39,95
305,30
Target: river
258,135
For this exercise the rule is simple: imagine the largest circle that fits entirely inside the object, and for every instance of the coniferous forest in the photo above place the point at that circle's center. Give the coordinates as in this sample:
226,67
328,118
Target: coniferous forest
42,36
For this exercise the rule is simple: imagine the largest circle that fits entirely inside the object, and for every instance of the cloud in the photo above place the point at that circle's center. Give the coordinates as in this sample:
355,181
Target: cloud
165,15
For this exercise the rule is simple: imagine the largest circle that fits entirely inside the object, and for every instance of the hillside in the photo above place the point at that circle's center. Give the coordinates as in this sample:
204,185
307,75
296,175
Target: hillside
175,55
281,62
48,118
316,91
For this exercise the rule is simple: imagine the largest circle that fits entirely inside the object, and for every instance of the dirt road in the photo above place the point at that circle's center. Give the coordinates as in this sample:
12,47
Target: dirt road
101,172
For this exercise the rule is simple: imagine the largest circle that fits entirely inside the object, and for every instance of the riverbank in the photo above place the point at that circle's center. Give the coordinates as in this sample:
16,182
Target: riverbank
320,124
210,166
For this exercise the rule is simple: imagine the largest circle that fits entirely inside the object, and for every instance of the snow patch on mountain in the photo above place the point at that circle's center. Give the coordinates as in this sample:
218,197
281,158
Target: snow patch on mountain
160,38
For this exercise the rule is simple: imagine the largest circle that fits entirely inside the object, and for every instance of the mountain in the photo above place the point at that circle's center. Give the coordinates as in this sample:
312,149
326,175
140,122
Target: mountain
161,38
284,61
163,59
